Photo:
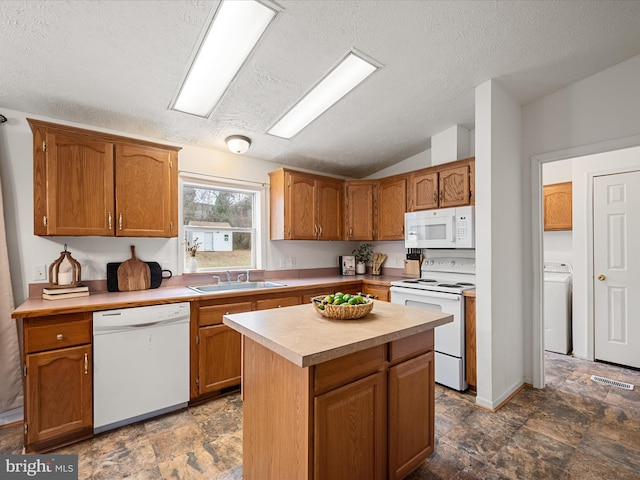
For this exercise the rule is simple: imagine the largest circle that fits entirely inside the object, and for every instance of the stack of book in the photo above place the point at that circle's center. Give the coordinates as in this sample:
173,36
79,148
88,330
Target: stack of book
65,292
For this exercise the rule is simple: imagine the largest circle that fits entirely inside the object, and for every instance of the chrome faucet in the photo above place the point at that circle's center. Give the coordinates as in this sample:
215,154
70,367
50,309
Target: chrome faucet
247,275
242,275
228,276
216,277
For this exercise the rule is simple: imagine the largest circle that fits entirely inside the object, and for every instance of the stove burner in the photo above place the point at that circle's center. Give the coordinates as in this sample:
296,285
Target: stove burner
466,284
426,280
449,285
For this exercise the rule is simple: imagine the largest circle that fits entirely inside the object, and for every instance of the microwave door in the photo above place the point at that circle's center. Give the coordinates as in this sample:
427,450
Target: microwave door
430,232
439,232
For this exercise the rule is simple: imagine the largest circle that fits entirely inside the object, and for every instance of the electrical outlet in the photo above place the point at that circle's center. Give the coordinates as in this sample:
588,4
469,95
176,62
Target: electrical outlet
292,262
39,272
283,262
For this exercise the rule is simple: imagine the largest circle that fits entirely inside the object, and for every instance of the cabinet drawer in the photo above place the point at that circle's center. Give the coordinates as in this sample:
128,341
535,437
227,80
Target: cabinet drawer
213,314
410,346
340,371
277,302
60,331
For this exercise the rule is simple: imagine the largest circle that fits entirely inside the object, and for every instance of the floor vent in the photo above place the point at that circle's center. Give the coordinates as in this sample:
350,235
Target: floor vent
613,383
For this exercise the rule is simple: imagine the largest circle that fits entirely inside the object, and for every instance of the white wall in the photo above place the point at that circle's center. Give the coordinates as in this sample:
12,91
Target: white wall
416,162
499,259
558,244
585,116
450,145
93,253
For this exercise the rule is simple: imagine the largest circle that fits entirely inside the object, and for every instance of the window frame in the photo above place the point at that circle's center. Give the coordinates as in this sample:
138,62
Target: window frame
258,190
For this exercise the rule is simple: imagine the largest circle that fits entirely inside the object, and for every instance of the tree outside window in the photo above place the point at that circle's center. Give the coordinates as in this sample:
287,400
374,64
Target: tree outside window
224,222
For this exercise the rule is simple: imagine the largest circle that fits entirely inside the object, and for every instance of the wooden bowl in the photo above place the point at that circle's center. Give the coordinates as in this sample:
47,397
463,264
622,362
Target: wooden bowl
342,312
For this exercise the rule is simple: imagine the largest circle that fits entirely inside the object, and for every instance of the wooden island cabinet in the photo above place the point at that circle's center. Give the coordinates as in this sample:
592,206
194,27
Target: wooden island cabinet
327,399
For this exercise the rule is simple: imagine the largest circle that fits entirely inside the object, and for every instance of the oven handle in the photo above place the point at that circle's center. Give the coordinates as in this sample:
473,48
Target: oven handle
426,293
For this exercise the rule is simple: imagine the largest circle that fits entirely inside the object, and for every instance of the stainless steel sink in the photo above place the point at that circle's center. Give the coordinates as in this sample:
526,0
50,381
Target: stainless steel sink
225,286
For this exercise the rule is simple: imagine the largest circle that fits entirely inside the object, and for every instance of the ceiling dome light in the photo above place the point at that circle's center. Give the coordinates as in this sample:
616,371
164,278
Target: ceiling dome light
238,143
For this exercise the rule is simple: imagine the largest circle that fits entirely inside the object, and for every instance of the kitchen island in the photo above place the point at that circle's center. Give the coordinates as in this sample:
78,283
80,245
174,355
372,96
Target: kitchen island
331,399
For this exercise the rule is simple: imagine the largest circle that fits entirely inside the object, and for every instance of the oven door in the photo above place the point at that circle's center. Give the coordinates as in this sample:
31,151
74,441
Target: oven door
449,338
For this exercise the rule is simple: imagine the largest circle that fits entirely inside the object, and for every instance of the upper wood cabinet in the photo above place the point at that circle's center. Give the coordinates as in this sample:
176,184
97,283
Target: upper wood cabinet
92,183
305,206
557,206
392,204
442,186
359,208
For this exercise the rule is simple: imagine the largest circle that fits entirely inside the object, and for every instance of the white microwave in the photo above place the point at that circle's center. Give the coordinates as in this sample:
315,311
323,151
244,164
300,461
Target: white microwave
441,228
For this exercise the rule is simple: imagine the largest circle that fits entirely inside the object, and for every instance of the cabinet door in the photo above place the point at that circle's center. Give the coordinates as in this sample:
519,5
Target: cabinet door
411,414
220,358
301,207
58,390
557,206
143,191
330,214
423,191
380,292
392,205
79,185
359,221
350,431
454,186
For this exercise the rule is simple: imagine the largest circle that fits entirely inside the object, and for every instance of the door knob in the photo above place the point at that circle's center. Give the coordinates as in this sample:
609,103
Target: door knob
601,277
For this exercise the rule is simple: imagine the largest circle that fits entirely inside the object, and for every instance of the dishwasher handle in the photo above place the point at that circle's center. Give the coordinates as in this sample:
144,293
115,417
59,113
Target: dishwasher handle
109,327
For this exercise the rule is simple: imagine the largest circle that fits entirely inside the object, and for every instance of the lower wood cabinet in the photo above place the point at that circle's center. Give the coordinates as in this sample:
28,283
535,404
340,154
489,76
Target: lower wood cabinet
380,292
219,358
470,341
216,353
58,380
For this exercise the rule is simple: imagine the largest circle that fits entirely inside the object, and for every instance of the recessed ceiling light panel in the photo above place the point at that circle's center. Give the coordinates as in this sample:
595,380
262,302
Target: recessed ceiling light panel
235,30
348,74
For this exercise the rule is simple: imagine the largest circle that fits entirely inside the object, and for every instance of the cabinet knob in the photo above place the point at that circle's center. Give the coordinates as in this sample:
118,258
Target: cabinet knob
602,277
59,336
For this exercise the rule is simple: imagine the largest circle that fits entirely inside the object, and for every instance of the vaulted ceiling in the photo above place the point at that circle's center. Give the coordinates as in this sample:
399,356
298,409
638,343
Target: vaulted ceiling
117,65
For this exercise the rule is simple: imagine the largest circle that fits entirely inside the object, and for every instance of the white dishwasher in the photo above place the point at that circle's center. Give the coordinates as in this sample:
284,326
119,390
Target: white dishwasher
140,363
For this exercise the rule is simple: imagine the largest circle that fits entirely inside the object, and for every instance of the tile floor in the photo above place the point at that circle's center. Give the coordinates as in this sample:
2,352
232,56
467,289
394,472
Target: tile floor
573,429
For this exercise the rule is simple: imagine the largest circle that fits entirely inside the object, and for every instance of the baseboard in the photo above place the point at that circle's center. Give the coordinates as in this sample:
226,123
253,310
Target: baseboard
11,416
502,400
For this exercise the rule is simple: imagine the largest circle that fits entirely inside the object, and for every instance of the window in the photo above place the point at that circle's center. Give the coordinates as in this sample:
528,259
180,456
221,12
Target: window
220,227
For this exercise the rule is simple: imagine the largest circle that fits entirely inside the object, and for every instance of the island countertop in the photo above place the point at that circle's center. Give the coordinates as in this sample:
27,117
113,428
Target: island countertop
306,338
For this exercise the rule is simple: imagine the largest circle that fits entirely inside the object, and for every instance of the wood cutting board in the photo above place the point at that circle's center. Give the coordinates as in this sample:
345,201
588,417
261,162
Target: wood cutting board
133,274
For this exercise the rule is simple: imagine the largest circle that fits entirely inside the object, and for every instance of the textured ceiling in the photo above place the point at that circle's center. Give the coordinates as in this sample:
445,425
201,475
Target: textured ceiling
118,64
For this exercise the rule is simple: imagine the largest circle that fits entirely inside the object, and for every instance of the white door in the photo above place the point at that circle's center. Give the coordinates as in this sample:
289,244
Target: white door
616,268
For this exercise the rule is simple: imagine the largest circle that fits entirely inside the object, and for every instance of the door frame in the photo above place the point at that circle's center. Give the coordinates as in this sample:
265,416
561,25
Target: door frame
537,337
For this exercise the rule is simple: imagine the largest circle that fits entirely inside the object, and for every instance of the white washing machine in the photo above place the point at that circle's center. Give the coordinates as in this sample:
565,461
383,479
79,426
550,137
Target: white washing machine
557,307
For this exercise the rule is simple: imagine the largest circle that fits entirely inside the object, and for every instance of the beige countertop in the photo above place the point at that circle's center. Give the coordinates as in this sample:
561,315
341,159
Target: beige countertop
37,307
304,337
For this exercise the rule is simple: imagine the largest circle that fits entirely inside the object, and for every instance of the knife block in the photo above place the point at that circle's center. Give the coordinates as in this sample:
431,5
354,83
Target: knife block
412,268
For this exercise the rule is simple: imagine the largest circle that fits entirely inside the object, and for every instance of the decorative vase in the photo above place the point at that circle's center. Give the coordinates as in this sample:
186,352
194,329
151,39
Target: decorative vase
193,265
361,268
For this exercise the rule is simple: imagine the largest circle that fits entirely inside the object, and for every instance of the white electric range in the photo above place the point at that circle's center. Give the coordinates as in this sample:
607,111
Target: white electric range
440,288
